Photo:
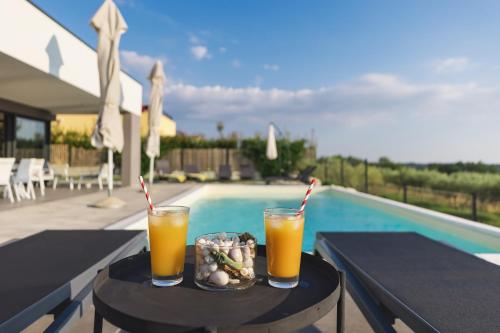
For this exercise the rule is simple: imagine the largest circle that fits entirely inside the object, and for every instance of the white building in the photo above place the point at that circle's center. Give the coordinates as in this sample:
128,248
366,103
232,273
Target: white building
44,70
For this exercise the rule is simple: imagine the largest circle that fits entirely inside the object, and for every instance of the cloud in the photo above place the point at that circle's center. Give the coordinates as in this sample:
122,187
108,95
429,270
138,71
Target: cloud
222,49
236,63
140,63
200,52
271,67
451,65
371,97
194,39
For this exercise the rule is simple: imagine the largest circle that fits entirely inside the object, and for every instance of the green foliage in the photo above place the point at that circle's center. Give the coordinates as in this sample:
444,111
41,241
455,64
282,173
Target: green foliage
450,168
71,138
290,154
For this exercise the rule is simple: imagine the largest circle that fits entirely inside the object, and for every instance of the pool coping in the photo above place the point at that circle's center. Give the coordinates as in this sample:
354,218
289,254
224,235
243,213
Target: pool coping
468,224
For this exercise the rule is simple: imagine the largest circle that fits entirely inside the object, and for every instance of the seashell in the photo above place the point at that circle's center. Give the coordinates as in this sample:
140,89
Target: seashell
215,247
225,249
235,254
209,259
246,251
212,267
206,275
243,243
202,241
236,241
251,272
199,276
219,278
248,263
234,281
251,243
206,252
244,271
222,236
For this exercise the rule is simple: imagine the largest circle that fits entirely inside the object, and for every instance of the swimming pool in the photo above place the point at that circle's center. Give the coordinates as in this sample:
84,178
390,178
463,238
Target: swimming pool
240,208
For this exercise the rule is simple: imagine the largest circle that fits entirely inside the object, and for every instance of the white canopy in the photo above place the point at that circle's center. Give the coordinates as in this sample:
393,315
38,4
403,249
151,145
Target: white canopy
109,24
271,151
157,78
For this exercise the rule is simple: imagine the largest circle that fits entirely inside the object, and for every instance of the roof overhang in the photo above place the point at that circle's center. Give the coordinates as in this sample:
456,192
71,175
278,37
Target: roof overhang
45,66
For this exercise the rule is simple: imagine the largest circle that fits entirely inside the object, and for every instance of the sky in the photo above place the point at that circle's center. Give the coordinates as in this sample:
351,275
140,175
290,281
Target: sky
417,81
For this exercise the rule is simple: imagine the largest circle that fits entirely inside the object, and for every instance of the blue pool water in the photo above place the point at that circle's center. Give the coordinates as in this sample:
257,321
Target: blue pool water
326,211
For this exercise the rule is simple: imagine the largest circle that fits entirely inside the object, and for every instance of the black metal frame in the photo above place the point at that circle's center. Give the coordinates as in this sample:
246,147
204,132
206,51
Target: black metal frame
67,310
377,304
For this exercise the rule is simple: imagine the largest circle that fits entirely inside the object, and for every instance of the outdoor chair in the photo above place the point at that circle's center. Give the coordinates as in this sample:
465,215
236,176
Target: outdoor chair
59,171
247,171
430,286
192,171
6,165
52,273
163,170
225,172
28,171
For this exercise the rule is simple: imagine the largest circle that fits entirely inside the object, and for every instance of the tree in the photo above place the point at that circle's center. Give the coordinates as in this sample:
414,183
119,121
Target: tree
220,129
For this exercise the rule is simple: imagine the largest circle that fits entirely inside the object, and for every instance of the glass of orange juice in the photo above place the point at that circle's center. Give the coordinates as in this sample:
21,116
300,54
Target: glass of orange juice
167,226
284,230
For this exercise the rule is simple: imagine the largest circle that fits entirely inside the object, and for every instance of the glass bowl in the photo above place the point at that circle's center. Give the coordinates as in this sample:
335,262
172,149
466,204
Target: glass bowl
225,261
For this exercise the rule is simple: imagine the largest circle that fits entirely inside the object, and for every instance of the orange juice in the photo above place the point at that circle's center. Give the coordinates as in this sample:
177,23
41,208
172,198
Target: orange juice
284,231
167,241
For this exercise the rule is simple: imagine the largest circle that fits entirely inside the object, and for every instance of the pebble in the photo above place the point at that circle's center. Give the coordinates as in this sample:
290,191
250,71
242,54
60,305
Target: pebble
212,267
204,268
251,272
219,278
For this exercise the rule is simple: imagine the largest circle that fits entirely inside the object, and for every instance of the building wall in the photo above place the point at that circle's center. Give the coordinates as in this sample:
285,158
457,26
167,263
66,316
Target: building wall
168,126
85,124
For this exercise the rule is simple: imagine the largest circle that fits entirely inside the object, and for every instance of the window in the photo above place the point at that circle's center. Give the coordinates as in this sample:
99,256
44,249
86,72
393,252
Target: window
30,138
2,135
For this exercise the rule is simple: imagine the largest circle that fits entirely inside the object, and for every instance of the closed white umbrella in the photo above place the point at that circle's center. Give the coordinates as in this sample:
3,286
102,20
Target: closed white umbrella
108,132
157,78
271,151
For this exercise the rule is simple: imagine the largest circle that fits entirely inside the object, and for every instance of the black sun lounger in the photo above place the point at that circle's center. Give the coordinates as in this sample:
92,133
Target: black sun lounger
52,272
430,286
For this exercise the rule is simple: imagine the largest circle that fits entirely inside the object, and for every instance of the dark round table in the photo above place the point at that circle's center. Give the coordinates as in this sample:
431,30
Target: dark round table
124,296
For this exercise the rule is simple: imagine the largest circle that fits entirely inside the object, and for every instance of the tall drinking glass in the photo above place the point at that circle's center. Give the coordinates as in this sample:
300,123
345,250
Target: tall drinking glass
284,230
167,241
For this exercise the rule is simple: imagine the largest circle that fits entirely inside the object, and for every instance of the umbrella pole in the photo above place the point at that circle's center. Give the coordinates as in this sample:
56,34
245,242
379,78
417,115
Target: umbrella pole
110,171
151,171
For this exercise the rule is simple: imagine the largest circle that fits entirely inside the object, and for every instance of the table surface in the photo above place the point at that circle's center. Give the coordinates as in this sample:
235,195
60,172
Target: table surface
37,266
123,295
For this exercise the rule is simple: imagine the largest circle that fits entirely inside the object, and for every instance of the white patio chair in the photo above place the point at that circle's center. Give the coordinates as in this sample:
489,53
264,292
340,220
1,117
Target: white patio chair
24,175
59,171
38,174
6,165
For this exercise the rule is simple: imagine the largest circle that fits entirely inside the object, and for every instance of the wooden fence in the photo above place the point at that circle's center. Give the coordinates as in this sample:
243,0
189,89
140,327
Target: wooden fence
62,154
205,158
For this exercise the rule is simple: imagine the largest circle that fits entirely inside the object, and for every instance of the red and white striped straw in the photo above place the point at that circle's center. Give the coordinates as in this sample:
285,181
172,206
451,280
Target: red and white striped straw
308,194
145,189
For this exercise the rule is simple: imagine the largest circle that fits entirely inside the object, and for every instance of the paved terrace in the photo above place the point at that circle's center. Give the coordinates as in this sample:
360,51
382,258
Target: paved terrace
62,209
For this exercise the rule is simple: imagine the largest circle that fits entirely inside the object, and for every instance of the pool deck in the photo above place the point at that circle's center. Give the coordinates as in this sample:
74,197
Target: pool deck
73,212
